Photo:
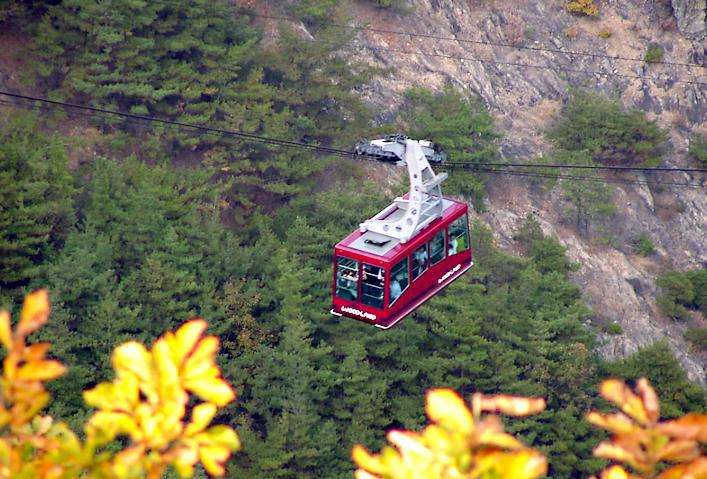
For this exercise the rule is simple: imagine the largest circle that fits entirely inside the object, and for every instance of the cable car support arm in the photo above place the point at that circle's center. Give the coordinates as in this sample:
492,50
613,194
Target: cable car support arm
424,202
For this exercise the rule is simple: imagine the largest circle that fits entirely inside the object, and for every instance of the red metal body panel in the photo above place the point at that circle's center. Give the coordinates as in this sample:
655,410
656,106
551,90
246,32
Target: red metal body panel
434,279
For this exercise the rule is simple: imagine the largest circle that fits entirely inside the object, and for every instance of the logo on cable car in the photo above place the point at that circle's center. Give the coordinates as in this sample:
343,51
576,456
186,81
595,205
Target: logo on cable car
358,312
446,275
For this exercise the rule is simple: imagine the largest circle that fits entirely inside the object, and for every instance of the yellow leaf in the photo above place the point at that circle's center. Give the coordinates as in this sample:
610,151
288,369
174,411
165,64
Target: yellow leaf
133,357
201,416
213,390
167,369
185,339
408,443
367,461
35,312
618,423
184,461
526,464
620,394
213,457
40,371
104,426
201,361
448,409
511,405
5,330
617,472
223,436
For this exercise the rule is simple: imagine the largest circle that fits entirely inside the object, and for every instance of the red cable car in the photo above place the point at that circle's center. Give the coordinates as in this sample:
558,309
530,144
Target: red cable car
405,254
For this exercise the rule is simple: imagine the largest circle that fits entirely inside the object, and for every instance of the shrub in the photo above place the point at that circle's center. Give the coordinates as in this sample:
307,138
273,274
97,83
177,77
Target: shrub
698,278
612,135
698,149
677,292
605,33
143,407
642,245
614,329
583,7
654,54
698,337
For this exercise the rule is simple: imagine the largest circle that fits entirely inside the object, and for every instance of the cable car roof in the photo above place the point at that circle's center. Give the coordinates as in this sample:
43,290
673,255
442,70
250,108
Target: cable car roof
386,247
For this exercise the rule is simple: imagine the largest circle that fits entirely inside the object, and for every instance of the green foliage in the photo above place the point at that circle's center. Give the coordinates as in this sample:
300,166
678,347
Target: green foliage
680,291
657,363
654,54
643,245
181,60
614,329
698,337
698,149
147,253
35,201
461,125
610,134
590,201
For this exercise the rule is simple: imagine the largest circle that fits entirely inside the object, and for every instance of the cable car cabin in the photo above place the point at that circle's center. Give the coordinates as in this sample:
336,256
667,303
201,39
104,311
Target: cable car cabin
380,279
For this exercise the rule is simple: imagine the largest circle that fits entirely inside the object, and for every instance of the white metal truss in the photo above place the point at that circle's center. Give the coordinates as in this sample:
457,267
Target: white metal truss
424,202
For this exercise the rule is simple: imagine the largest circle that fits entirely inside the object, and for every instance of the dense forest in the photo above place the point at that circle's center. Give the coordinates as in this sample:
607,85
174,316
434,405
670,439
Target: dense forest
134,229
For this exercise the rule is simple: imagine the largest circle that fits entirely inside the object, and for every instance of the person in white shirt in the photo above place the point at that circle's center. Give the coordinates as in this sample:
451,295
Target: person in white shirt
395,289
452,247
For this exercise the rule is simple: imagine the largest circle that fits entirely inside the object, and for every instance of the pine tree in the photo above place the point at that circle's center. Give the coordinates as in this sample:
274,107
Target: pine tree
35,201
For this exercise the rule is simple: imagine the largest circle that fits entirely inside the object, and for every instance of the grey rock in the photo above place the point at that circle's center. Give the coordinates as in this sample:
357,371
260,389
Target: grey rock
690,15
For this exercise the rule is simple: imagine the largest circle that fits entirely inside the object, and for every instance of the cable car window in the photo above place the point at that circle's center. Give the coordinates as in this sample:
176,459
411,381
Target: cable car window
399,280
419,261
458,237
437,248
372,289
347,278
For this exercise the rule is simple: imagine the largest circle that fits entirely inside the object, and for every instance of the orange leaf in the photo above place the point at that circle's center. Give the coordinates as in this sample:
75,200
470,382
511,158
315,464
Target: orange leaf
679,451
697,469
40,371
619,453
35,312
690,426
650,399
511,405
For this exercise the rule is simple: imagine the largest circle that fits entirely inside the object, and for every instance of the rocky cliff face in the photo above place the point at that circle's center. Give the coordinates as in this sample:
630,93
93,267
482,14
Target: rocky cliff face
690,15
618,285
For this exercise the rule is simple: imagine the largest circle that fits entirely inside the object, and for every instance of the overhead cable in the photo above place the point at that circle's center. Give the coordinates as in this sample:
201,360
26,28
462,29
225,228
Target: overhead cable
483,42
470,166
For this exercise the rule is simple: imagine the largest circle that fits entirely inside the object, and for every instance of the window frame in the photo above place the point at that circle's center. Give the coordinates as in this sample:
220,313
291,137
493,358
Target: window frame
362,282
412,259
406,260
442,232
466,233
358,278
